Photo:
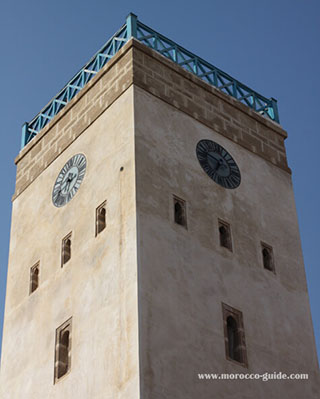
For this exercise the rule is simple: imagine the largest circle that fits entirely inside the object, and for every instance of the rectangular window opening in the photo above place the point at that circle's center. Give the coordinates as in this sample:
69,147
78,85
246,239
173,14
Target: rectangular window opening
62,364
180,212
235,346
101,217
66,250
34,277
267,257
225,235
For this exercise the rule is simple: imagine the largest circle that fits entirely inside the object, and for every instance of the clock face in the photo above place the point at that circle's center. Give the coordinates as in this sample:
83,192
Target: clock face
69,180
218,164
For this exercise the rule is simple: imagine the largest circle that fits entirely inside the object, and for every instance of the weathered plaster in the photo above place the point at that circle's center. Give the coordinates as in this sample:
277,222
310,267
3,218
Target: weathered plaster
145,295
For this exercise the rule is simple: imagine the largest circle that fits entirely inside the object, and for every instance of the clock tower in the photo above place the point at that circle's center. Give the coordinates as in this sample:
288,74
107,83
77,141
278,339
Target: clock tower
155,249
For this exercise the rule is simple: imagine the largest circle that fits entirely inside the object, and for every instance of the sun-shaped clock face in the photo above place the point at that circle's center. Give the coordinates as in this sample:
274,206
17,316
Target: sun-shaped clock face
218,164
69,180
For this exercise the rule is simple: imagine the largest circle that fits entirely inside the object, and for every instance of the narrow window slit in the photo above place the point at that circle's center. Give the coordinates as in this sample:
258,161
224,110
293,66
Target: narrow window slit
66,250
225,235
180,214
267,257
233,339
101,218
34,277
235,345
62,350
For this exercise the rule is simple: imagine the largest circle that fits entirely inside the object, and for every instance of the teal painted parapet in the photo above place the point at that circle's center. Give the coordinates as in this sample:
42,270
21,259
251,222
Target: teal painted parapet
169,49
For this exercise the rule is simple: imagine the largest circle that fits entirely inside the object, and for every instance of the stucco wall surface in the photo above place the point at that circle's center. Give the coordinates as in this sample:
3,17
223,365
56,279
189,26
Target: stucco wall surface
185,275
145,295
97,287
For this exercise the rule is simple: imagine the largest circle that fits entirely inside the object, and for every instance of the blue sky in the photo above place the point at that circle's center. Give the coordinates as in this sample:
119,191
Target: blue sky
270,46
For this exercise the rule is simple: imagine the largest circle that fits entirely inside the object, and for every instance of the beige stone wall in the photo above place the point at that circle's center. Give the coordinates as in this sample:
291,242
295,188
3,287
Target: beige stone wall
227,116
74,118
147,114
185,275
97,287
136,63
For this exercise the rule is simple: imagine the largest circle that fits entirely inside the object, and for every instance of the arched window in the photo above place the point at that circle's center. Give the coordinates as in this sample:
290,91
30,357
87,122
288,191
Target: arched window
225,235
34,277
63,350
101,218
267,257
63,353
66,250
180,214
235,345
233,339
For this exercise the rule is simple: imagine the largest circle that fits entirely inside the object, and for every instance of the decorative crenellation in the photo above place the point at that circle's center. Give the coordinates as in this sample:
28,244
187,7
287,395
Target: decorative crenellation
139,65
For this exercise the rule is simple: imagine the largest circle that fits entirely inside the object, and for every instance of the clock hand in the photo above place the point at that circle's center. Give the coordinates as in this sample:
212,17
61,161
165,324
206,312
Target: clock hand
63,185
70,177
215,160
219,163
68,185
212,157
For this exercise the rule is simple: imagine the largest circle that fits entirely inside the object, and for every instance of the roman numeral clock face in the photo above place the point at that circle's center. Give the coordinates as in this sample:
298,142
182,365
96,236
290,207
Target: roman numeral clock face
218,164
69,180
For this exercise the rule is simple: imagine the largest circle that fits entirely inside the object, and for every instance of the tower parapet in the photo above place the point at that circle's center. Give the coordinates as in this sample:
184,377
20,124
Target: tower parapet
166,47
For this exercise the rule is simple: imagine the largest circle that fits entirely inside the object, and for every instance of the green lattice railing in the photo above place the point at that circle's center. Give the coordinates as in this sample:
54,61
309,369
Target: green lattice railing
187,60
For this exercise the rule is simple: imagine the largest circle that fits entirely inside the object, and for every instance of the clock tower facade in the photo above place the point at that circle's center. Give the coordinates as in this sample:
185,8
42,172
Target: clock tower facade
154,240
